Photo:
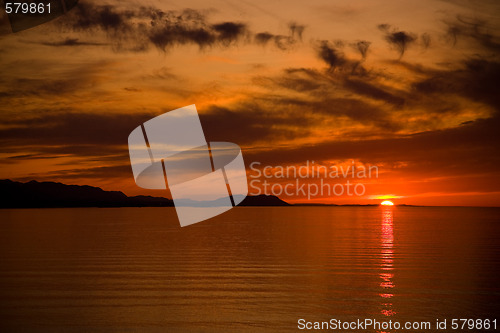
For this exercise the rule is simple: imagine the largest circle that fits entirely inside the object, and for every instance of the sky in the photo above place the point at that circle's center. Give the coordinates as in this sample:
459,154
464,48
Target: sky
410,87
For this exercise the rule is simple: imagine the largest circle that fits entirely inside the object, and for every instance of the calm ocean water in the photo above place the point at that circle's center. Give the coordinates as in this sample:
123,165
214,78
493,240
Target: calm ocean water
249,270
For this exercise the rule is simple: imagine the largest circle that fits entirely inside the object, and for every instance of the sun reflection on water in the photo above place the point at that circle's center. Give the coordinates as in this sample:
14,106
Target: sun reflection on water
387,261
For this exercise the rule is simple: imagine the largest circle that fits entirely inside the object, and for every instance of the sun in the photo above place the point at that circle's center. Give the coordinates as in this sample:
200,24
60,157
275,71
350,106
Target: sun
387,203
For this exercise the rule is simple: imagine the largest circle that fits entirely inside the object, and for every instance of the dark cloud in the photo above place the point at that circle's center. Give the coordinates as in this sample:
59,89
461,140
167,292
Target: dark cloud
362,47
375,91
426,40
297,83
471,28
282,42
87,16
334,57
400,40
253,121
71,42
167,36
296,30
229,31
360,112
71,82
330,55
33,156
191,27
137,30
70,129
105,172
384,27
476,79
263,38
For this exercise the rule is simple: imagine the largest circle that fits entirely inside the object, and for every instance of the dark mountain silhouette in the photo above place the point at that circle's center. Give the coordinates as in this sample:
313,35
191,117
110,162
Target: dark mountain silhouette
49,194
263,200
35,194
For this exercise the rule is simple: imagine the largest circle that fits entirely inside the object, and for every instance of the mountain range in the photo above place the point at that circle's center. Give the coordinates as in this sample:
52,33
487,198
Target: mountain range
34,194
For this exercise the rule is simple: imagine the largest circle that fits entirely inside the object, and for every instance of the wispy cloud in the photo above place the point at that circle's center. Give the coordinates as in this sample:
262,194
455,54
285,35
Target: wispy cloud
71,42
138,29
472,28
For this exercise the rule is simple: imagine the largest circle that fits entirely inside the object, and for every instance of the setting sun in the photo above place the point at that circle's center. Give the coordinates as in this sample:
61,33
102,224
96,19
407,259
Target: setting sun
387,203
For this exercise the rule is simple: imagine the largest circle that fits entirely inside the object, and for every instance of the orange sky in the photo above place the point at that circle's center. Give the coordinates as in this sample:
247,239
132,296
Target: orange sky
408,86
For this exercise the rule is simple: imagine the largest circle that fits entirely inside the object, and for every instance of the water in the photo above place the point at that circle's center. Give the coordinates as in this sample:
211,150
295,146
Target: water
249,270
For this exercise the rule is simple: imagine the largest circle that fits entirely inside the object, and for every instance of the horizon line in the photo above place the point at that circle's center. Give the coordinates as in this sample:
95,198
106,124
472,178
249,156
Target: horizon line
298,204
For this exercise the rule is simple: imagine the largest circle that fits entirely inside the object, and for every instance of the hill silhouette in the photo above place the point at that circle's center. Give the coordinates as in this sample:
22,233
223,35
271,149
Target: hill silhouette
263,200
35,194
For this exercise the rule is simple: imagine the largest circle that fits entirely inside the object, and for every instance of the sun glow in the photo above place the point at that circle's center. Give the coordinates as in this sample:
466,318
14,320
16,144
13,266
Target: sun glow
387,203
